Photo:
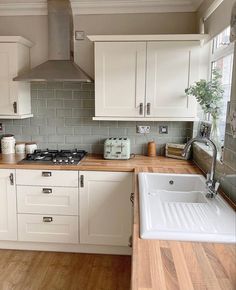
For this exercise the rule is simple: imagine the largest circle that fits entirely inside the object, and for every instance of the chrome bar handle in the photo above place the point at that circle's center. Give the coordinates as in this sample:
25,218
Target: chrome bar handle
46,174
132,198
141,109
81,180
47,219
11,177
148,108
47,190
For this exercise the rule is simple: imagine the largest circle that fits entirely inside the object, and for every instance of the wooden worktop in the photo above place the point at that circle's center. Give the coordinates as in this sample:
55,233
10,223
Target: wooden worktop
161,264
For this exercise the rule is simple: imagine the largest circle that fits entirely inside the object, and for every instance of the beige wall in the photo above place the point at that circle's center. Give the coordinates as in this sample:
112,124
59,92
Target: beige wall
151,23
35,29
32,27
219,20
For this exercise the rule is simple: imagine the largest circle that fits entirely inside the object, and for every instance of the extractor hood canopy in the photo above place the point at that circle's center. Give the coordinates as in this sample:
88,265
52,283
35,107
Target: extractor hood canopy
60,66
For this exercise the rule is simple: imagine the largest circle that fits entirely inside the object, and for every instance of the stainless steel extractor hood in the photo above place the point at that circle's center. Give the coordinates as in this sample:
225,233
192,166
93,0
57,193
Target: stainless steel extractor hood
60,66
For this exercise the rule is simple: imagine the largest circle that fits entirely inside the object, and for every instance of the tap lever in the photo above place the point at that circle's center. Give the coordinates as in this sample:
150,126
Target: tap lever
217,184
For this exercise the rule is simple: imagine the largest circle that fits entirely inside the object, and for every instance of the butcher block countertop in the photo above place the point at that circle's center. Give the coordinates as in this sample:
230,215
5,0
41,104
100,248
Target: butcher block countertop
156,264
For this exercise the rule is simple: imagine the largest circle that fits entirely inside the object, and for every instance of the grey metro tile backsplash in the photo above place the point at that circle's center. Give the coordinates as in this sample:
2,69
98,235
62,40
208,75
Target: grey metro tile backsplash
62,119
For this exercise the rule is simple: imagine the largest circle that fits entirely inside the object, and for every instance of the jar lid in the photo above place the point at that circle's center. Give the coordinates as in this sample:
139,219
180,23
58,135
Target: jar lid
31,143
20,143
7,136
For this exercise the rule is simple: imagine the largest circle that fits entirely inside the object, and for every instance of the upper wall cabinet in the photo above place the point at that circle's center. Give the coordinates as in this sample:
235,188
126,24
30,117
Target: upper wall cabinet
15,99
144,77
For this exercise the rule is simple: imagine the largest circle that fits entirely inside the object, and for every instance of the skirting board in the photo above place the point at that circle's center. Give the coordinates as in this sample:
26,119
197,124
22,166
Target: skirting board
71,248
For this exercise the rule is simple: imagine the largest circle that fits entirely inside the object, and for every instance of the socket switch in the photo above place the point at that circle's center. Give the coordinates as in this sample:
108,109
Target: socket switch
163,129
143,129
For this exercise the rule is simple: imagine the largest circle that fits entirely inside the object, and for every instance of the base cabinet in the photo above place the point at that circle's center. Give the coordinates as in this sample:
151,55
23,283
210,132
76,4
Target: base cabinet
48,228
105,208
8,220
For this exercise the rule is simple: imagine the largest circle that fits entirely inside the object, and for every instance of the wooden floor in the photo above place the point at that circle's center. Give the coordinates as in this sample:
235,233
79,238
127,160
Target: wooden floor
29,270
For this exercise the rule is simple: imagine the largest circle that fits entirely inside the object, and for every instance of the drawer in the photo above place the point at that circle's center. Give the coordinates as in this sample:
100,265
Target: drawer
48,228
47,177
45,200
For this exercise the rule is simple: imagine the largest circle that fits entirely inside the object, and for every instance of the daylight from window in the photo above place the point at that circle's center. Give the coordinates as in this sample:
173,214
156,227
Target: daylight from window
222,59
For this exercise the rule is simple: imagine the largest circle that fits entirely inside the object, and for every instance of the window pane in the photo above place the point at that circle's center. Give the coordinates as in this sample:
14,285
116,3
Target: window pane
221,40
225,65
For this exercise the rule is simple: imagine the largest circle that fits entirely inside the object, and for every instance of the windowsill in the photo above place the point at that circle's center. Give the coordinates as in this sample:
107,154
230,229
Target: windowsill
208,150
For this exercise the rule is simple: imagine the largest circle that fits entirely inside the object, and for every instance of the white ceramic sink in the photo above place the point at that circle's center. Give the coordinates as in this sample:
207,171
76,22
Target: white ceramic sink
175,207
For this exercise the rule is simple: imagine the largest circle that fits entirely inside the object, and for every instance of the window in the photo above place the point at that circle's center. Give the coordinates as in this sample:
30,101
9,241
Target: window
222,58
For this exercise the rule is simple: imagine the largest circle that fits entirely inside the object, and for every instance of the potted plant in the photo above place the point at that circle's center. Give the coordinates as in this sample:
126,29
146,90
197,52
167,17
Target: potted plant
209,95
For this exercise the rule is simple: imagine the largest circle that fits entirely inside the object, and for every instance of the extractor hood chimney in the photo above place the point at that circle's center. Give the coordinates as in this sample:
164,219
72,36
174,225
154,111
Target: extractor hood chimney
60,66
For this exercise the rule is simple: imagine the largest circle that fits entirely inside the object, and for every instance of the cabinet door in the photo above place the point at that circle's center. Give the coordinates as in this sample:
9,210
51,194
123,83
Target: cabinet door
7,72
105,208
8,220
120,78
171,67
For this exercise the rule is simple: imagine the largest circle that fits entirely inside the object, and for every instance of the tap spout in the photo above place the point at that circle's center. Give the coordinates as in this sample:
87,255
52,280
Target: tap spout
211,180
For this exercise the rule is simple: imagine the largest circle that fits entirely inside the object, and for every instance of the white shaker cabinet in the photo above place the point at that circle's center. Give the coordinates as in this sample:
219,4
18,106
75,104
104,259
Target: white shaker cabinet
171,67
105,208
8,220
145,77
119,78
15,99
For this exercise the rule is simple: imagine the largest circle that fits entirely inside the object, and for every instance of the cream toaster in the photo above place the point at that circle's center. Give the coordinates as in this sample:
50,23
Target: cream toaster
117,148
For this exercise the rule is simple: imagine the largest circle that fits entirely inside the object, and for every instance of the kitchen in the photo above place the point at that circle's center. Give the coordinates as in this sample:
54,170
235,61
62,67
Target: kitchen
68,115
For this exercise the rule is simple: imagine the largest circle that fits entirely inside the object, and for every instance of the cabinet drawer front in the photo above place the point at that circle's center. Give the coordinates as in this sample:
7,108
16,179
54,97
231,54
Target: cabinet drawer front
48,228
47,177
44,200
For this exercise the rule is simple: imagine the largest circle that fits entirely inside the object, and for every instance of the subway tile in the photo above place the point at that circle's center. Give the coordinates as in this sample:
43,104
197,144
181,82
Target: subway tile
57,122
72,85
64,113
88,86
34,94
73,121
82,130
38,121
90,139
50,112
73,104
38,103
47,130
117,132
83,112
45,94
38,85
73,139
65,131
56,139
31,130
54,85
100,131
64,94
55,103
15,130
39,138
81,95
23,122
88,104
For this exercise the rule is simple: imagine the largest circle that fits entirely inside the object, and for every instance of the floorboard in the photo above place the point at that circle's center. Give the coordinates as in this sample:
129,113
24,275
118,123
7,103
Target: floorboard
31,270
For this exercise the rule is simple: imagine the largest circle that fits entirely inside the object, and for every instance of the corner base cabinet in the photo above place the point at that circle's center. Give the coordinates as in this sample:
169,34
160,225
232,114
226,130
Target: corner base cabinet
8,220
105,208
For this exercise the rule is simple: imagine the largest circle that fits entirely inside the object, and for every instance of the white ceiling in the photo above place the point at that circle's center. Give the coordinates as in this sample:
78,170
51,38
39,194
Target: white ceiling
39,7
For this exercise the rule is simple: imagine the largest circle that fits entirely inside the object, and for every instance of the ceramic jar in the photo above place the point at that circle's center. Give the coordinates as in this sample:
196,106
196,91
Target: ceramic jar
20,148
30,147
8,144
